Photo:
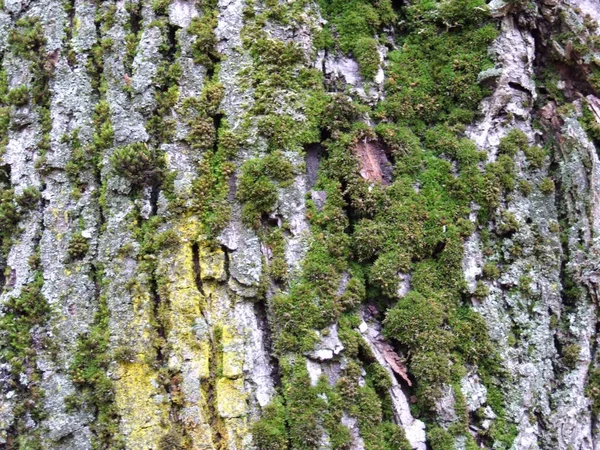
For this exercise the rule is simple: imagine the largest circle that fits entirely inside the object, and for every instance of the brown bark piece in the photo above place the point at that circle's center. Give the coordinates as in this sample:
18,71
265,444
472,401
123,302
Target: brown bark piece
374,164
393,359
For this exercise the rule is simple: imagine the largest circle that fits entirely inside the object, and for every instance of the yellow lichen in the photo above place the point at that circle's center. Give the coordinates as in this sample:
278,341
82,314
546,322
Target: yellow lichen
233,356
212,264
231,398
142,405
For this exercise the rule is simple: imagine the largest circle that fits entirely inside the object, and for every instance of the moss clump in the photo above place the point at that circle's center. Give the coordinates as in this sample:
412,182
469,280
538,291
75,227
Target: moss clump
27,37
500,177
416,224
513,142
160,7
20,315
89,373
29,198
416,321
305,407
356,24
547,186
590,124
279,68
211,189
139,164
315,300
307,412
440,439
367,56
124,353
481,291
172,440
161,125
4,111
592,388
18,96
87,157
277,264
12,209
27,41
78,246
204,46
491,271
525,187
219,148
270,433
570,355
365,234
535,156
338,114
434,76
258,185
508,224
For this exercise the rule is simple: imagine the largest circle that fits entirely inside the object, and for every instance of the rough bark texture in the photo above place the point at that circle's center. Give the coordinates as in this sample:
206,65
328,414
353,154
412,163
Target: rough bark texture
272,224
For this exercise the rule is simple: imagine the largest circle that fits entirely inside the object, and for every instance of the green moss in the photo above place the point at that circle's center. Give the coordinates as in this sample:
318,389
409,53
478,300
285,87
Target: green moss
367,55
124,353
173,439
278,68
508,224
592,388
29,198
376,434
304,406
161,125
354,293
369,232
503,433
27,41
27,37
491,271
547,186
89,373
513,142
590,124
434,75
139,164
394,437
525,187
270,433
440,439
415,321
535,156
258,185
570,354
204,45
105,17
12,209
18,96
481,291
131,43
78,246
277,265
501,174
160,7
356,23
87,157
19,316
